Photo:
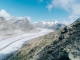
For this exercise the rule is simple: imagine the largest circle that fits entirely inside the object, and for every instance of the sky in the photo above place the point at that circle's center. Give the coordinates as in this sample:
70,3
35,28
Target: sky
64,11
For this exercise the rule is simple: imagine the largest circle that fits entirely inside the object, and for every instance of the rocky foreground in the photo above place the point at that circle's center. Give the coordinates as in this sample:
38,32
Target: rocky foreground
63,44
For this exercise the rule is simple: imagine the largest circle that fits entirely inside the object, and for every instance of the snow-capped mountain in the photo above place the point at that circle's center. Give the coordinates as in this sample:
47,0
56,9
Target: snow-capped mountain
55,25
23,24
7,28
47,22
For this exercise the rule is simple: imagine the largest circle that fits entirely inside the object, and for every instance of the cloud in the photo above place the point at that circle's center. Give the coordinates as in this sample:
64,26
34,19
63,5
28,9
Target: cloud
71,6
4,14
64,4
50,6
28,17
7,16
66,22
75,11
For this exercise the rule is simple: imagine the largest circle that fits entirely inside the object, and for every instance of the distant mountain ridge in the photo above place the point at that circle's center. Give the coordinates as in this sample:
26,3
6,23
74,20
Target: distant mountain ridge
24,25
54,25
7,28
48,22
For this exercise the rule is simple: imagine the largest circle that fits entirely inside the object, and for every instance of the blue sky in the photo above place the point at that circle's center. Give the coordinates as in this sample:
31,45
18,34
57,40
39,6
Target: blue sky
39,10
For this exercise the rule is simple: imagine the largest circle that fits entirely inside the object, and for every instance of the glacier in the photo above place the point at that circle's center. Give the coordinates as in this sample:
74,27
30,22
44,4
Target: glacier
11,45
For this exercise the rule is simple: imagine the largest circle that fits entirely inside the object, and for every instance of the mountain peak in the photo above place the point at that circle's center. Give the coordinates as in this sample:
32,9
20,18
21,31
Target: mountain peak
78,20
50,22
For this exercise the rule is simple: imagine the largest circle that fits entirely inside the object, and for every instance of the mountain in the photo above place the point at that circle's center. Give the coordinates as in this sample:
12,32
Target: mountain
7,28
54,25
63,44
24,25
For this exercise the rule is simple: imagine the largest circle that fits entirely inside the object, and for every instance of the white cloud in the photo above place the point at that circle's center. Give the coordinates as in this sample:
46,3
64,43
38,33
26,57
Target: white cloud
19,17
4,14
7,16
28,17
50,6
76,9
64,4
75,12
66,22
71,6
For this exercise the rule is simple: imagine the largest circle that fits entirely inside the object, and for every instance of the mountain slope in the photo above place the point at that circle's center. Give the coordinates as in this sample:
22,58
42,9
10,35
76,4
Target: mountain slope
67,47
63,44
54,25
24,25
7,28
